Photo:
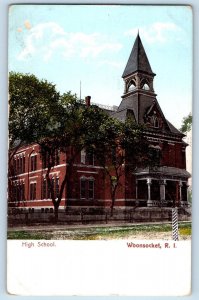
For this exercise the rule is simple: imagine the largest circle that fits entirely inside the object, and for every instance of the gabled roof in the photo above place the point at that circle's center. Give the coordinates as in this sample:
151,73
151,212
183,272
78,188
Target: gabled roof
138,60
173,129
123,114
169,126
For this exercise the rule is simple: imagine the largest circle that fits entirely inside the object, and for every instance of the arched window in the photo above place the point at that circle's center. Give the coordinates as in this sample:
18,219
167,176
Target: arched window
155,122
33,190
87,157
33,161
131,86
146,87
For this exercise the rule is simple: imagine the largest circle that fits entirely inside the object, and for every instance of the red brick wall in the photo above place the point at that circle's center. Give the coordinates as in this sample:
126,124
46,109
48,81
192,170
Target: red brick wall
172,155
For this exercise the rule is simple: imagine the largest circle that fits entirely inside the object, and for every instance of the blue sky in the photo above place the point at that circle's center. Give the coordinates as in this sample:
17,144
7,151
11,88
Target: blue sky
66,44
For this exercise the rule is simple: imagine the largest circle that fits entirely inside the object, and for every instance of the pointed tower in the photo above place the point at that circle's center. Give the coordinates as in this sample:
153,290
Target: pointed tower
139,99
138,61
138,79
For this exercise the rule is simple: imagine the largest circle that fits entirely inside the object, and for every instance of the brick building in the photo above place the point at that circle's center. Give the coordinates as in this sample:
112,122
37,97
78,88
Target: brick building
164,185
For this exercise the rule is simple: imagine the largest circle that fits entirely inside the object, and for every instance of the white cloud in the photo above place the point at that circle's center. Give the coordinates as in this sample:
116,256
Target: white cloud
157,32
49,38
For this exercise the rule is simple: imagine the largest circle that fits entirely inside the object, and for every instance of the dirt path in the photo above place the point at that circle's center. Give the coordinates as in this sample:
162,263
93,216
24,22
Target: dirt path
61,235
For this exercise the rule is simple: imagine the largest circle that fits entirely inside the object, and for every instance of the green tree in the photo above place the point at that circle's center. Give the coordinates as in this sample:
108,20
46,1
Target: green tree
39,114
186,123
33,109
119,148
80,125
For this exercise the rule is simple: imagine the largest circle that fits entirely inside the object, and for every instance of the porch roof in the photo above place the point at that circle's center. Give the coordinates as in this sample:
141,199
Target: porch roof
163,171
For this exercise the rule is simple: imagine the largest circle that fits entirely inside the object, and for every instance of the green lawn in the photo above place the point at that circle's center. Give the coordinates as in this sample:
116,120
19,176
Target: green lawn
95,233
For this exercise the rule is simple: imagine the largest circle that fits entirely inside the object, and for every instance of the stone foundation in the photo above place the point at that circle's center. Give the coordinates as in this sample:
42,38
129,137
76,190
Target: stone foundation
95,215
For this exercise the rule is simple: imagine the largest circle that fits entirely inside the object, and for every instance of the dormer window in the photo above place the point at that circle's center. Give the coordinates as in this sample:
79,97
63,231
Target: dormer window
155,121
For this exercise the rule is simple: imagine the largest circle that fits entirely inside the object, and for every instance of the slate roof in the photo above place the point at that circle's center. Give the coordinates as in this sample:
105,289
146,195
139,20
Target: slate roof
138,60
123,114
173,129
165,170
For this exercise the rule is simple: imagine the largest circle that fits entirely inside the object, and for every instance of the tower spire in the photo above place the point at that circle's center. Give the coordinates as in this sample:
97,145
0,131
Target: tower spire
138,60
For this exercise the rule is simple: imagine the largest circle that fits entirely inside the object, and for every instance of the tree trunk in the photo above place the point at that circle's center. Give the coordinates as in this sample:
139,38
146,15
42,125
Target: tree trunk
56,209
113,199
68,184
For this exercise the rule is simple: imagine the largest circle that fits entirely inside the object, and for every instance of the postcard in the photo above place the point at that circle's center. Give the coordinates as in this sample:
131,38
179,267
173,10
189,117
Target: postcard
100,150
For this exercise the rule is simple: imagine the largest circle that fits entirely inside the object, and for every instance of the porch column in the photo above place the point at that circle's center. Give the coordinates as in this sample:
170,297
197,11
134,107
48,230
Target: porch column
180,192
162,189
187,187
136,193
149,201
185,194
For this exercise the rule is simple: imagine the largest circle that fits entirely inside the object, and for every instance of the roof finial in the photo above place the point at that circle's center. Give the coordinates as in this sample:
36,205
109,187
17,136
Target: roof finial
138,32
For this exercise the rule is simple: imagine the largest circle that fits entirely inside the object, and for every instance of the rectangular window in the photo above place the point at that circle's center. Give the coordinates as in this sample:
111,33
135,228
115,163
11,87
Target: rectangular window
89,158
23,191
19,166
33,163
90,189
83,156
33,191
14,193
15,167
17,192
20,192
44,189
86,188
24,161
48,191
83,188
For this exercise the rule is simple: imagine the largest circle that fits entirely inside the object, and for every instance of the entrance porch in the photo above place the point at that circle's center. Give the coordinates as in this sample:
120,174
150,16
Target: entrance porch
164,186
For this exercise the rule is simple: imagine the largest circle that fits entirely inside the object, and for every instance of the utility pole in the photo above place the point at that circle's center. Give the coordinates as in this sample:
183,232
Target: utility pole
80,91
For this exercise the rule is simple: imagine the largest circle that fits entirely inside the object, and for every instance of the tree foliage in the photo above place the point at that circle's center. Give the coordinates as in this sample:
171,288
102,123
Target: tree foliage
120,147
186,123
34,108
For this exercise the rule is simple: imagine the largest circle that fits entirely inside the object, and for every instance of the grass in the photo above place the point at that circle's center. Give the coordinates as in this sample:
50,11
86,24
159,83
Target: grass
95,233
185,231
26,235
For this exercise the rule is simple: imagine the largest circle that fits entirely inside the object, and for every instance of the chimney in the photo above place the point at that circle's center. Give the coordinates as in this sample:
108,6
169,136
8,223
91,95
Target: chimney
88,100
